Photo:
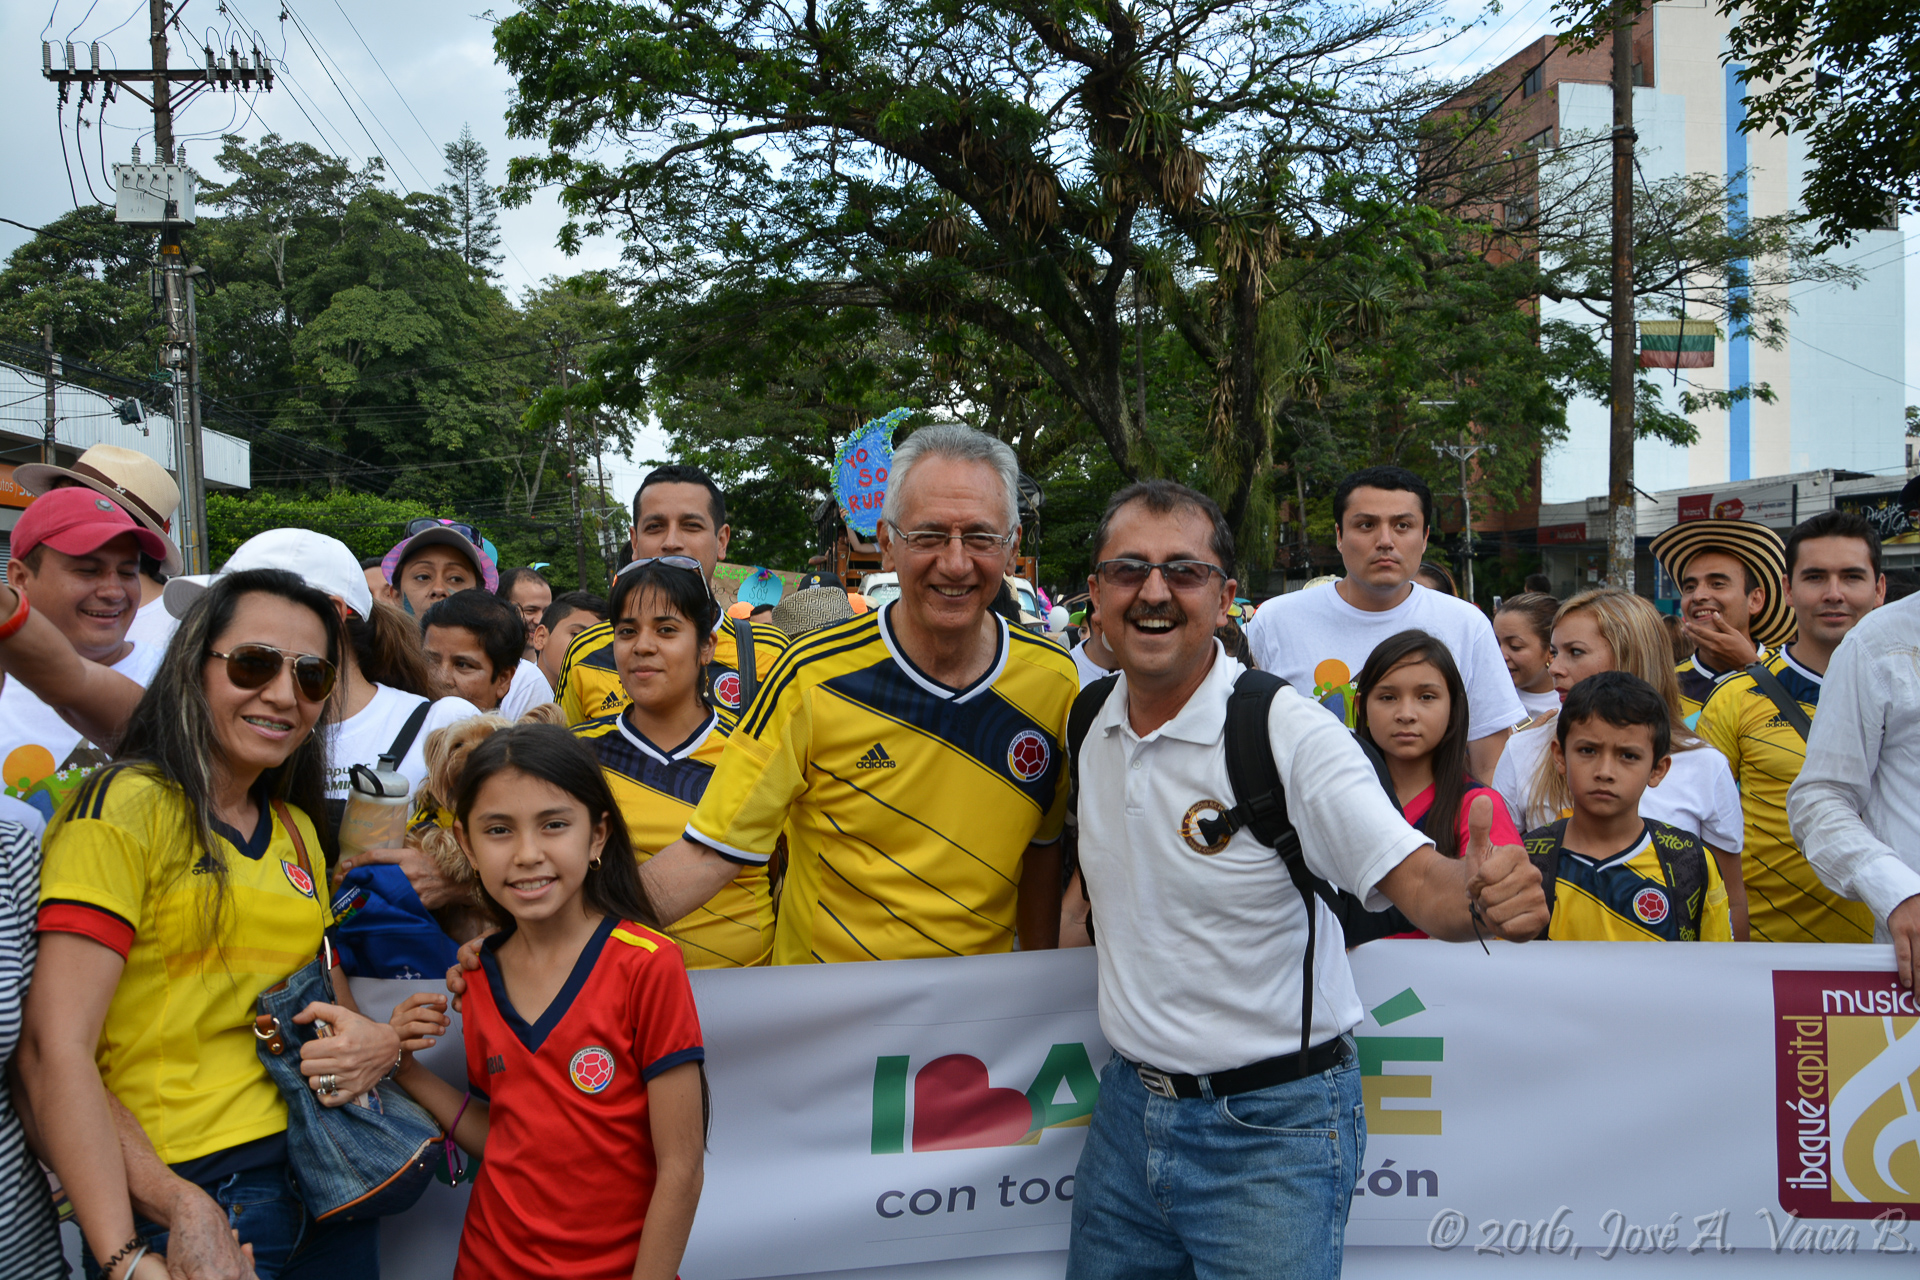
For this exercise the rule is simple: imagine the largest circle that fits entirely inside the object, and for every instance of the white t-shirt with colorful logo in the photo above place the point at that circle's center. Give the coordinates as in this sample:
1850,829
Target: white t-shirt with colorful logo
1317,642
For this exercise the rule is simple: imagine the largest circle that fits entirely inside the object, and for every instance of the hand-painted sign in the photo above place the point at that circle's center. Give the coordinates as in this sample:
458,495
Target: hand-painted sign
860,472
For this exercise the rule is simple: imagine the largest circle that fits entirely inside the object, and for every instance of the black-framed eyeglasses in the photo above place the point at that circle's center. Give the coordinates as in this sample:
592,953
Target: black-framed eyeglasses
1179,575
932,541
466,531
254,666
672,562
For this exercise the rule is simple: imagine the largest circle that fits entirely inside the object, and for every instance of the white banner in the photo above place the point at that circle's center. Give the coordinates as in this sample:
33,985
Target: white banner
1641,1103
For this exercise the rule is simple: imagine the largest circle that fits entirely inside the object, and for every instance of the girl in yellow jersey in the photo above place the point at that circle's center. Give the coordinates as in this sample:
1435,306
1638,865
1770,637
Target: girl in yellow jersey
659,752
179,883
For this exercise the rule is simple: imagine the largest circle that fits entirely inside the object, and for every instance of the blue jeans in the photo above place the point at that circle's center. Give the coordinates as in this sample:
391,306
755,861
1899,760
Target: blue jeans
263,1206
1252,1185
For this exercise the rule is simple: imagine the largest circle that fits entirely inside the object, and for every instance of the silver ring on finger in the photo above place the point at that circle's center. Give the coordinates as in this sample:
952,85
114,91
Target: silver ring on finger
328,1084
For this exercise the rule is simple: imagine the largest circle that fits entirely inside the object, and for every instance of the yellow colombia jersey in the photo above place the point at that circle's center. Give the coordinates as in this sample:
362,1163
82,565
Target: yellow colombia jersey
1785,900
908,806
1697,684
590,683
657,791
177,1046
1628,897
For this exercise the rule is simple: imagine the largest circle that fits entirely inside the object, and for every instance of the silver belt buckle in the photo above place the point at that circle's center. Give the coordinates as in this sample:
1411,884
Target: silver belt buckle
1156,1082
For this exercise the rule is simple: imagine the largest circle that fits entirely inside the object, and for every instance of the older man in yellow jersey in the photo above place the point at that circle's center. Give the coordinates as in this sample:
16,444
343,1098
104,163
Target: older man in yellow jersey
912,755
677,511
1833,580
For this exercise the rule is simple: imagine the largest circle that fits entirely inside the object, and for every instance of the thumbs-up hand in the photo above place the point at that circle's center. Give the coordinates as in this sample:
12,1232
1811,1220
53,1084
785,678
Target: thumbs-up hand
1501,880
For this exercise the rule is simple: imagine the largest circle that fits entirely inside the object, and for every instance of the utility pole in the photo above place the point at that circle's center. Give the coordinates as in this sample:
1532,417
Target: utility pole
573,472
1464,452
1620,514
53,373
161,196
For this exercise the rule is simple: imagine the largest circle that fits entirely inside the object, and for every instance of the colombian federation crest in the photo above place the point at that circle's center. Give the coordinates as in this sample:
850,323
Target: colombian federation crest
726,690
591,1069
298,878
1028,754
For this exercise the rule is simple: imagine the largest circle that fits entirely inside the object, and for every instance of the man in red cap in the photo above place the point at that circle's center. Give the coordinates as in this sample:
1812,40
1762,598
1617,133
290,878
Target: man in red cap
76,560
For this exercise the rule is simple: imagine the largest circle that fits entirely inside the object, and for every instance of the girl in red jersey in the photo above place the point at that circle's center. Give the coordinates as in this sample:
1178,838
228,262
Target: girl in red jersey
1412,704
585,1086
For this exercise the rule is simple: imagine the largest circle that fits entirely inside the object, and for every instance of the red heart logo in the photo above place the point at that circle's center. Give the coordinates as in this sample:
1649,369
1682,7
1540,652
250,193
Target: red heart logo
955,1108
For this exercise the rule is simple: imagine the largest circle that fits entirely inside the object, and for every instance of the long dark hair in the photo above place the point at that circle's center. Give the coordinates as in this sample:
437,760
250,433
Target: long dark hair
683,589
171,733
553,755
1450,777
386,647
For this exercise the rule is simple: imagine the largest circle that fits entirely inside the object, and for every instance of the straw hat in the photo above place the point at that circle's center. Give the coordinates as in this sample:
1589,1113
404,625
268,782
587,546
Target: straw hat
1753,545
809,610
129,477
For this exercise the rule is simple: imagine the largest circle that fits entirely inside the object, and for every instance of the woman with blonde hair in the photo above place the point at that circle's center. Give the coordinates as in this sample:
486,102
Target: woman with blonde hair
1611,630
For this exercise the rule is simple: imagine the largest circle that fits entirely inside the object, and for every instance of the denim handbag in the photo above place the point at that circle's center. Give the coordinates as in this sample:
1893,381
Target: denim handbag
366,1159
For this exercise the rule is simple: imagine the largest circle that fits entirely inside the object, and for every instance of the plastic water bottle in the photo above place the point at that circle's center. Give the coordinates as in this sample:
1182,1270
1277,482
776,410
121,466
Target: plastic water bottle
376,816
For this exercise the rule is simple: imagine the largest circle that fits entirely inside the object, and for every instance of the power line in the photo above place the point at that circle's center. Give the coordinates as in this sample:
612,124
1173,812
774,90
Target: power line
389,79
301,27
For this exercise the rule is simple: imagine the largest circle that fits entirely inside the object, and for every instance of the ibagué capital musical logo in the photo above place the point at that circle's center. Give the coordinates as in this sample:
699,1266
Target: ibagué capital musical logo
1847,1080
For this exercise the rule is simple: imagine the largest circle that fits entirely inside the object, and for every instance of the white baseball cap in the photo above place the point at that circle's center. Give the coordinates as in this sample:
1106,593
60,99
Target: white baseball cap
325,564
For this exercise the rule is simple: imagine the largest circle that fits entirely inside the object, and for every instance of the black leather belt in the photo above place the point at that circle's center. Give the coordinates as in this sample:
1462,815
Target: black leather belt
1258,1075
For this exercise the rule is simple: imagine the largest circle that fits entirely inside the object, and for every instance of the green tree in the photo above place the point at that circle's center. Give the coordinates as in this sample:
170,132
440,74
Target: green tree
1007,173
476,209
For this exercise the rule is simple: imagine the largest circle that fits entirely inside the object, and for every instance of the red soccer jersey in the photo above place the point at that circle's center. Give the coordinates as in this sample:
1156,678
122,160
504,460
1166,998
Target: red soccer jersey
569,1166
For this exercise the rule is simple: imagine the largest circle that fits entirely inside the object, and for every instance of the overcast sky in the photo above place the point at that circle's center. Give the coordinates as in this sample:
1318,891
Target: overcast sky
397,78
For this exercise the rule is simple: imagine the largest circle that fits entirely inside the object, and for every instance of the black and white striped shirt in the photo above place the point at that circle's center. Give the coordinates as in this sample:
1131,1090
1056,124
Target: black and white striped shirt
29,1237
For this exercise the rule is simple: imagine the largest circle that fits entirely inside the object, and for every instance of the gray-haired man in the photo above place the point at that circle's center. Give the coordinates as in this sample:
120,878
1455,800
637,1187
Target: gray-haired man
913,754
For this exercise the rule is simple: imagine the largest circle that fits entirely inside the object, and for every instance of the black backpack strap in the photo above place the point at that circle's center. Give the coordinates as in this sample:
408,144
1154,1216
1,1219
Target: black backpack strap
1788,706
744,659
1543,850
1080,718
1086,708
1260,807
1683,865
403,741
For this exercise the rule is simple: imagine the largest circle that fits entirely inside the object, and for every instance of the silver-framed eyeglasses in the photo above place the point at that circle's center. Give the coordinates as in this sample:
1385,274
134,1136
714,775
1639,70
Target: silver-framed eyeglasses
1179,575
933,541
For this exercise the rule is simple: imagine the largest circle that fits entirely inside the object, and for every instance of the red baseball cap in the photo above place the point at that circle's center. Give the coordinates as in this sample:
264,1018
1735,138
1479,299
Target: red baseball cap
78,522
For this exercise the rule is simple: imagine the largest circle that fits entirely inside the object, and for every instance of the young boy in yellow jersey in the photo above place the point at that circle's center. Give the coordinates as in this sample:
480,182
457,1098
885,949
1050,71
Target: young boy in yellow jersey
1609,874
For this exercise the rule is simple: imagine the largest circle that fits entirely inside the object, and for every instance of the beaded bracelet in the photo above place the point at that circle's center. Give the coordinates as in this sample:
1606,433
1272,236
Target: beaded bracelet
126,1250
19,618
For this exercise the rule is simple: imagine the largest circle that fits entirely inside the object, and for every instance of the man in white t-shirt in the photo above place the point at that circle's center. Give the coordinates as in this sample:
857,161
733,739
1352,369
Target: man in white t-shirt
1317,641
1195,1161
76,560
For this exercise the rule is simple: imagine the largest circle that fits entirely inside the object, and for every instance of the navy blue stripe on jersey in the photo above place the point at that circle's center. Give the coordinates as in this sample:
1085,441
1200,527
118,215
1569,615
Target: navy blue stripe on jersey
1798,687
684,780
826,643
983,728
672,1060
534,1035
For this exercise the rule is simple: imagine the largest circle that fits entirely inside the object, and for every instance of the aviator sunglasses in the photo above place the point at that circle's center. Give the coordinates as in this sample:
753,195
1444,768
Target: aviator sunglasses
672,562
254,666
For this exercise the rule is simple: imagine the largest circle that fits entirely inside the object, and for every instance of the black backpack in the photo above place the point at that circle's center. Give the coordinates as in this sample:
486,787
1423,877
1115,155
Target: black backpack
1261,802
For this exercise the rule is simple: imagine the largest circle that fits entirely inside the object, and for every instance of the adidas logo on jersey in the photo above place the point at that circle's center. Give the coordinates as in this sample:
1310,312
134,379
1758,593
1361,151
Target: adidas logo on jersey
876,759
612,700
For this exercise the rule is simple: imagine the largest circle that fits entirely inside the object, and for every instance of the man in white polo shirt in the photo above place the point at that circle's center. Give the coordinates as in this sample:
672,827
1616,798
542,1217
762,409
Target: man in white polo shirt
1194,1162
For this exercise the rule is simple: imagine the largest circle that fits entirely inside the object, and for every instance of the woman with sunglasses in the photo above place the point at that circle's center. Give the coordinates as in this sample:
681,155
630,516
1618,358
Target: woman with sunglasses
658,753
180,882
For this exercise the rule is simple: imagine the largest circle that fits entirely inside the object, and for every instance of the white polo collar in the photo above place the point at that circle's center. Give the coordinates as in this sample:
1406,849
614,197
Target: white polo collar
1202,721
